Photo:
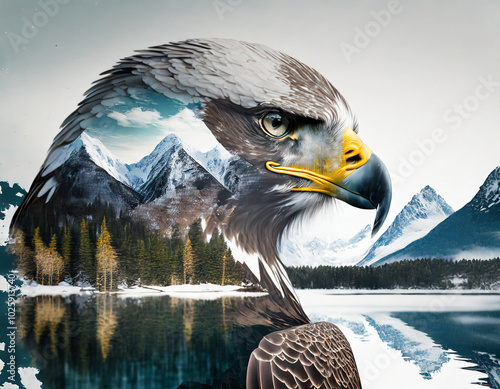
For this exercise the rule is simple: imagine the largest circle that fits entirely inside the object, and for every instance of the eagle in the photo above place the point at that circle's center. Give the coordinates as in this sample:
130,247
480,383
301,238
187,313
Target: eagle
296,148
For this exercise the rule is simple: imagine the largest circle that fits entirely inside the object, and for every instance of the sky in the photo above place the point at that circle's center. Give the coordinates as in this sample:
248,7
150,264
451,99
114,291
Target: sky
422,77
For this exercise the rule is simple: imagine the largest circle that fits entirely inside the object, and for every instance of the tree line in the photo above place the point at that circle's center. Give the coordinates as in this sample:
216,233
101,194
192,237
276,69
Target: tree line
421,273
113,251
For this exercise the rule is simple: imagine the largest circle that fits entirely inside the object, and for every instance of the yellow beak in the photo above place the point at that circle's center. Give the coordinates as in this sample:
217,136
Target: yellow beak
355,154
362,180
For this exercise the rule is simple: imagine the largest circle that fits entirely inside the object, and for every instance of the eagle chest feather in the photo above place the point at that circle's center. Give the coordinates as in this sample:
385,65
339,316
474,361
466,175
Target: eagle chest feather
309,356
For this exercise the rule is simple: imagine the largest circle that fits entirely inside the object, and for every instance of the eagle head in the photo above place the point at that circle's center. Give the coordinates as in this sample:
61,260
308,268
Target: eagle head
293,138
298,136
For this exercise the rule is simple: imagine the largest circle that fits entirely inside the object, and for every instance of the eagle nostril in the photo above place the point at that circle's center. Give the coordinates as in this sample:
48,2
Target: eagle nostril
353,159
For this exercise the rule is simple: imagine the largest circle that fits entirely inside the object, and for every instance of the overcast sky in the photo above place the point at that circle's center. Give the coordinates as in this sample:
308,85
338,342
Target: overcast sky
423,77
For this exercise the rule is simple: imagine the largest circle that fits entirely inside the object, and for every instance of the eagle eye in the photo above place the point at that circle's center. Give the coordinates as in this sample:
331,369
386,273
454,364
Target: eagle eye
275,124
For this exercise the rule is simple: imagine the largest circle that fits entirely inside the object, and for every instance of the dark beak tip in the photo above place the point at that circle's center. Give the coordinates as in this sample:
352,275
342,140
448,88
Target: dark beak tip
369,187
384,197
382,210
376,229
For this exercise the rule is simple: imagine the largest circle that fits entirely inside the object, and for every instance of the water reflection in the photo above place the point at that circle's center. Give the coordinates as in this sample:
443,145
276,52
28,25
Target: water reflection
109,341
423,349
152,342
474,336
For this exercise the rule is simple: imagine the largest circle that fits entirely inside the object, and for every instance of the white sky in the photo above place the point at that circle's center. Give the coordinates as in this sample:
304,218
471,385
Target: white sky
426,59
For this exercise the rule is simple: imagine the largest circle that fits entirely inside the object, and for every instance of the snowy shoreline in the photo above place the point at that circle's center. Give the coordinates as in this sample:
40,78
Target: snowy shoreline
355,301
32,289
403,291
200,291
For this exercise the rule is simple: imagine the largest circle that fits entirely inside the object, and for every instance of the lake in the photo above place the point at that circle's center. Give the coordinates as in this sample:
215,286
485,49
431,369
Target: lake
409,340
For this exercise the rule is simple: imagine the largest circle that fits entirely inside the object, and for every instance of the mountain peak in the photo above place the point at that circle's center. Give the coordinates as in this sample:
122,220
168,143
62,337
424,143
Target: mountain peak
471,232
97,152
428,189
423,212
171,139
140,171
430,201
313,251
489,193
363,234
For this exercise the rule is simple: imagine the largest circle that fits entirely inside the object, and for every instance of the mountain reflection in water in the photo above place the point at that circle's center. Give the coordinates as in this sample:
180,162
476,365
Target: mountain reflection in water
110,341
152,342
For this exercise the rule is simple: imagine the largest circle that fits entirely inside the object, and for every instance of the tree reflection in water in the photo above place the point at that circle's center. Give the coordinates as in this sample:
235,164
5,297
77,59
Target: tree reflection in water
106,341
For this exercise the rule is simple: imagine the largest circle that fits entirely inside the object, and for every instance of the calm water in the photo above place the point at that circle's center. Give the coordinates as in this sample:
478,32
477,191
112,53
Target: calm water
152,342
167,342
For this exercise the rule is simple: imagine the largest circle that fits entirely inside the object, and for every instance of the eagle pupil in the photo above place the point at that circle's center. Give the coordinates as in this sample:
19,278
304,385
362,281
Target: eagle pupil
275,124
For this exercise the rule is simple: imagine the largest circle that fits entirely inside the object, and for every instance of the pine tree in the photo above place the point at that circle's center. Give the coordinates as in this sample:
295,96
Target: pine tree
235,274
201,265
66,247
24,256
48,261
156,259
176,250
214,257
188,260
40,255
223,268
106,258
139,257
85,252
55,263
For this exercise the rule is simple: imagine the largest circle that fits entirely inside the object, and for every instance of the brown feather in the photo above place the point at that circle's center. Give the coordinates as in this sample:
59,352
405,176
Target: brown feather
325,360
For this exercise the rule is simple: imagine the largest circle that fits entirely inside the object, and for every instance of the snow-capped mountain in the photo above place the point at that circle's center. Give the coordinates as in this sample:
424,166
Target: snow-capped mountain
87,178
214,161
176,176
86,174
414,345
299,251
471,232
10,199
140,172
489,194
175,169
424,212
169,154
98,153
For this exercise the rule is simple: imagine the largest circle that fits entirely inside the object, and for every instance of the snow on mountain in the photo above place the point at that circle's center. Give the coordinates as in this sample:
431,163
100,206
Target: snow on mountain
425,211
136,175
214,161
10,199
472,232
414,345
98,153
5,224
176,170
140,172
303,251
489,193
